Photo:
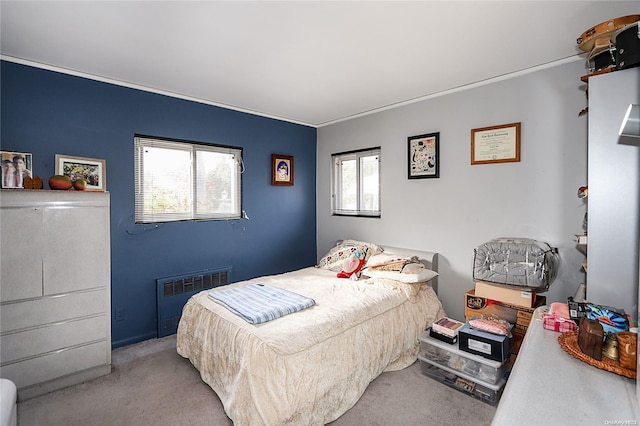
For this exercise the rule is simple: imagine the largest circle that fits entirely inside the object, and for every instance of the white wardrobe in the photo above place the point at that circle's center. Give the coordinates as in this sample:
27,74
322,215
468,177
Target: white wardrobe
614,193
55,288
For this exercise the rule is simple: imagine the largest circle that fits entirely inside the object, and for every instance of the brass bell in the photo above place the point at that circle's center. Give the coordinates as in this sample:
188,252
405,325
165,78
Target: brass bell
610,347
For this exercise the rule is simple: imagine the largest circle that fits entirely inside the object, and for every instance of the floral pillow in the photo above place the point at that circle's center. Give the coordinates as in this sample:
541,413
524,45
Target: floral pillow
333,260
372,249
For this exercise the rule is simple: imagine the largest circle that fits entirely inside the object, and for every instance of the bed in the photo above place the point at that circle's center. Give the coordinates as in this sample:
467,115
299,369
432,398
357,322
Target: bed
310,367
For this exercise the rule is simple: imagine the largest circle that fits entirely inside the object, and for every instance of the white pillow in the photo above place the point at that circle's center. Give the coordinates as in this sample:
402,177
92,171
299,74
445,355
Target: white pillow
384,258
421,277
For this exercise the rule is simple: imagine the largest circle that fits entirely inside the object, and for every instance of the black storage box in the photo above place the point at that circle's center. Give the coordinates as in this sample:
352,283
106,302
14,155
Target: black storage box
492,346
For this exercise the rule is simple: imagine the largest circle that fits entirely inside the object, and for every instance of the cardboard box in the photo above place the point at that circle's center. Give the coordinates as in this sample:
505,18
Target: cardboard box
475,306
492,346
519,316
525,314
512,296
524,322
517,342
521,329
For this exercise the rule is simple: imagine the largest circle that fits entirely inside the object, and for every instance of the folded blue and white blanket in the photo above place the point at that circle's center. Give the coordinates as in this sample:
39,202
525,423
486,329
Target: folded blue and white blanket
258,303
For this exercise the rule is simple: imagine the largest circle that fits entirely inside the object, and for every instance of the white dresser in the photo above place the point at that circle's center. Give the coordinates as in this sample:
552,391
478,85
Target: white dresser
547,386
55,288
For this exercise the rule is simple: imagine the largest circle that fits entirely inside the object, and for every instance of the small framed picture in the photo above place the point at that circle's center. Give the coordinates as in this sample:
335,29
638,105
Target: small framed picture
424,156
15,167
281,170
92,170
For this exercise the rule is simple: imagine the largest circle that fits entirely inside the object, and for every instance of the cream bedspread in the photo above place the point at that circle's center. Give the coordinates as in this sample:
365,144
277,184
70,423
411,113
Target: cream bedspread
310,367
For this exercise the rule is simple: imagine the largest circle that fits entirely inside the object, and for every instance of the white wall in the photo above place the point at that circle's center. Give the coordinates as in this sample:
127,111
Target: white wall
468,205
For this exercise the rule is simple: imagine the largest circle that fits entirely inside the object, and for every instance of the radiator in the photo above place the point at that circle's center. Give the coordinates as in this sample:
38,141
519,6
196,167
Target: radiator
173,292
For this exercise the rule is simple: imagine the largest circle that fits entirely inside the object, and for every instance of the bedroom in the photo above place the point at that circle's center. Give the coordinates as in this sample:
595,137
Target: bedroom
45,112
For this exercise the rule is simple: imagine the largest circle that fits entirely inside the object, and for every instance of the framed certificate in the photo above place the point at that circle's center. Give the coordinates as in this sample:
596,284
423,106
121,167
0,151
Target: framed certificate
496,144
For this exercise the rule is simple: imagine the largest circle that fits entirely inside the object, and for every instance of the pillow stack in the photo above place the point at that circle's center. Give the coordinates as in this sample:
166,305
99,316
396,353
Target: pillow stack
405,269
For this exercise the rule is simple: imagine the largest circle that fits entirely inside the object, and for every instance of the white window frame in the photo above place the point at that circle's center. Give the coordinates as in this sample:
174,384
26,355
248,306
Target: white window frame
336,177
194,148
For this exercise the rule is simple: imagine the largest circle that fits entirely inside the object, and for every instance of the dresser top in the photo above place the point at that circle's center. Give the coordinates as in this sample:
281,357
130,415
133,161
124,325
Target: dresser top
15,198
549,386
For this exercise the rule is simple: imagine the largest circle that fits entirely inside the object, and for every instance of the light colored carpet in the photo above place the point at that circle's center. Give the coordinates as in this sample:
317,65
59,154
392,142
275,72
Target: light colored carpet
152,385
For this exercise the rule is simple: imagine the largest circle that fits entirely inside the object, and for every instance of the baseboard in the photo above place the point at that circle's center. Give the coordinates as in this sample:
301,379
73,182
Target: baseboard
136,339
33,391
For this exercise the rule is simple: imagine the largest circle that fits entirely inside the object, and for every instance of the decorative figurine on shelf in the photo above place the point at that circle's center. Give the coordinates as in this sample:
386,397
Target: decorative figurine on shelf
627,349
80,184
37,182
590,338
583,191
60,182
27,182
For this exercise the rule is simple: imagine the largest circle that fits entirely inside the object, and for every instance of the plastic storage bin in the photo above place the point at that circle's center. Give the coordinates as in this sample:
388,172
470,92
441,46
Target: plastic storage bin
450,356
485,392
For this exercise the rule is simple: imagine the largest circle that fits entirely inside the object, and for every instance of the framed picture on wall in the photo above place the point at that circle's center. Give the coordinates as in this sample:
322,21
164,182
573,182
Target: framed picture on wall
424,156
92,170
496,144
15,167
281,170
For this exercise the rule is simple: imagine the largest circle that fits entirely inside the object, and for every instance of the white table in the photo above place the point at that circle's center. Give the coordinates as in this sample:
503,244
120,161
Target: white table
547,386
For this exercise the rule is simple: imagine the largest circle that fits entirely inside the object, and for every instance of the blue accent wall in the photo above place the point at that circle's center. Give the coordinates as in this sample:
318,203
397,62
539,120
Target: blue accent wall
47,113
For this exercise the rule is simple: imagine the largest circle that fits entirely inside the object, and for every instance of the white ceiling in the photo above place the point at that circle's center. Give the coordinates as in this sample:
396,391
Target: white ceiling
313,63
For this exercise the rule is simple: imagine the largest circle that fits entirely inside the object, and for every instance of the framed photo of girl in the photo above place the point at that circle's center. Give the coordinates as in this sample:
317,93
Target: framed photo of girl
15,167
91,170
281,170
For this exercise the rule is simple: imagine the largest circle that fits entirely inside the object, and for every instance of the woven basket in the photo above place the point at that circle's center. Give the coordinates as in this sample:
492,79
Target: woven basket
627,357
569,342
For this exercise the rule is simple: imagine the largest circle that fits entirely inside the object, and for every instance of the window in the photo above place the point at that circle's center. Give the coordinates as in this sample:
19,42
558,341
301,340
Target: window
356,183
179,180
